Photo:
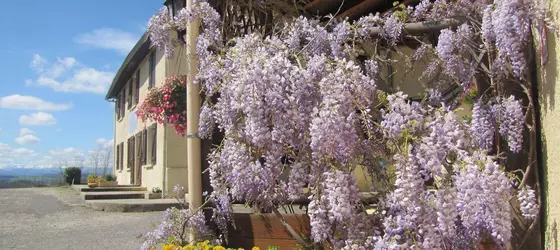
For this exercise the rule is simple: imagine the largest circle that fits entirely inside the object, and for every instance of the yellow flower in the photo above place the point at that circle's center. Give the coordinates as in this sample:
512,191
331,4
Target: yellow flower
255,248
189,248
170,247
219,248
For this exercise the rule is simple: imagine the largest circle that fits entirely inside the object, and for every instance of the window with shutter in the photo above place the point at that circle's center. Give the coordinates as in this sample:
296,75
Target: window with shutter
130,93
154,144
117,108
137,89
121,101
117,158
144,146
129,154
120,156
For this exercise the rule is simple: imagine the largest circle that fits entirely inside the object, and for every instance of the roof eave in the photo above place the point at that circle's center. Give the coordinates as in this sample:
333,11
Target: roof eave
130,64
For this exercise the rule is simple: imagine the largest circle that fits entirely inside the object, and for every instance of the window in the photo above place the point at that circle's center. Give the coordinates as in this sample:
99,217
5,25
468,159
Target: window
152,71
130,93
117,158
144,146
120,156
131,152
154,144
118,107
176,7
137,89
121,104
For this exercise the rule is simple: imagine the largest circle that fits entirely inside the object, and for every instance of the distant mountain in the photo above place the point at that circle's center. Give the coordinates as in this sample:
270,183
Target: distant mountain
17,172
29,171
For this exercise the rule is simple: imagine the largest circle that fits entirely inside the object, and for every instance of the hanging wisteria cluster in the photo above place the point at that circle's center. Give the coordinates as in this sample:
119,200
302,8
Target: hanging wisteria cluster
302,108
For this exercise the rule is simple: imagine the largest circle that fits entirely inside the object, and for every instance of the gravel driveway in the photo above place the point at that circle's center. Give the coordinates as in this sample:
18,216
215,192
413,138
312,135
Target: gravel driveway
56,218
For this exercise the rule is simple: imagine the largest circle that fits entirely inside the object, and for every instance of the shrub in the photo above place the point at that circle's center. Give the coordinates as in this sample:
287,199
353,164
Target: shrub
92,178
156,190
72,175
110,177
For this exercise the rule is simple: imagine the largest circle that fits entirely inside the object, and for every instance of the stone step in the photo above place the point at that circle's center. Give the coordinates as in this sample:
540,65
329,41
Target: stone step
111,195
132,205
113,189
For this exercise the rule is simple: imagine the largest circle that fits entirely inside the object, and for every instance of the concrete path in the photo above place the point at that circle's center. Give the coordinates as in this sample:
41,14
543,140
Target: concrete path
57,218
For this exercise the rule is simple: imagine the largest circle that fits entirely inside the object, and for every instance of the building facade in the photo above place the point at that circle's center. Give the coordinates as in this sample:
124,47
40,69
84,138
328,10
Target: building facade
147,154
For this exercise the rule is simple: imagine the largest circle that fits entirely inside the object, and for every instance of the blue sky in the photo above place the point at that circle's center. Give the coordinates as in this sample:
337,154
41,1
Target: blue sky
58,59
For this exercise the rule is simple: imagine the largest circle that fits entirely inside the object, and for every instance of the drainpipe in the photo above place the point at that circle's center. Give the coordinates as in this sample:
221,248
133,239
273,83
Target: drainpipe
164,163
193,111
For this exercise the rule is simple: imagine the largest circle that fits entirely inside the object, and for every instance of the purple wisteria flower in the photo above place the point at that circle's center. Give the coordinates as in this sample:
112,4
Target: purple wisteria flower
528,203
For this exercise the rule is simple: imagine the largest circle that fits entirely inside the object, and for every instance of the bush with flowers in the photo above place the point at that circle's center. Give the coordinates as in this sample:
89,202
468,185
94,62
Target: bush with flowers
205,245
167,104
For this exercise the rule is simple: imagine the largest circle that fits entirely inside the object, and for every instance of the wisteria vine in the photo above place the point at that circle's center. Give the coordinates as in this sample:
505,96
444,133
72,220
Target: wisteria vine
301,107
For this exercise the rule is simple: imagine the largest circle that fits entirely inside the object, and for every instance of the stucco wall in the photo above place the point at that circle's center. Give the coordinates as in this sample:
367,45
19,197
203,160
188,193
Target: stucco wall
129,125
550,134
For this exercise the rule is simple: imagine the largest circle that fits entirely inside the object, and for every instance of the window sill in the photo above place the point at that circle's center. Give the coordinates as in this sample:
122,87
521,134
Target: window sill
132,107
127,169
149,166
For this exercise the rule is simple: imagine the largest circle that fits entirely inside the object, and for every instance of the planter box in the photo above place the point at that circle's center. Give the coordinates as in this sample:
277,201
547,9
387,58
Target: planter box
107,184
92,184
151,196
266,229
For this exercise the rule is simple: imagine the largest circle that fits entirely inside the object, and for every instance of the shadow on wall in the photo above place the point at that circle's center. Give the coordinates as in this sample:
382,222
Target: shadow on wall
548,76
552,236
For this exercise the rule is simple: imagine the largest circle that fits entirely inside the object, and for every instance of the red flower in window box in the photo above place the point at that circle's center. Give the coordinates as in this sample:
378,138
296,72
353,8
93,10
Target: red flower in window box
167,104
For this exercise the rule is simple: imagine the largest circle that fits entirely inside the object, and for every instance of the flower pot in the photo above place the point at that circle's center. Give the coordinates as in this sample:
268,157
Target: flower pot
92,184
153,196
107,184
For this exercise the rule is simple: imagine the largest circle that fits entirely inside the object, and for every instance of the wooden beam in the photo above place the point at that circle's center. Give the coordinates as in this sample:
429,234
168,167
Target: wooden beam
361,9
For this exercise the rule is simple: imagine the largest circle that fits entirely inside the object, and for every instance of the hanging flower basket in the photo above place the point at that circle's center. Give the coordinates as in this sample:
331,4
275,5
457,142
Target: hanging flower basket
167,104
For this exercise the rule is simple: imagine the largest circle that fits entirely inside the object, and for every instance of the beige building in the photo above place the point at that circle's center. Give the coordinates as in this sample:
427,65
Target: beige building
146,154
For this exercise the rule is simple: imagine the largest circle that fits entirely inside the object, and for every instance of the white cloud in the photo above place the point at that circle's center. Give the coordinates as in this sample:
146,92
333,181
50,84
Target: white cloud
107,38
22,151
26,102
25,131
64,151
38,63
27,139
37,119
68,75
27,158
9,155
104,142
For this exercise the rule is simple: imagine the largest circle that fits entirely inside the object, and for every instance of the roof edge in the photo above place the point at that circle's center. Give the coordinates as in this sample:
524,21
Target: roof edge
130,64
